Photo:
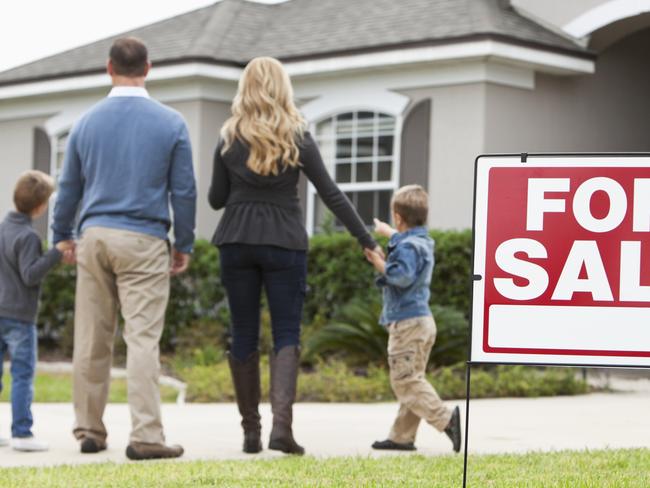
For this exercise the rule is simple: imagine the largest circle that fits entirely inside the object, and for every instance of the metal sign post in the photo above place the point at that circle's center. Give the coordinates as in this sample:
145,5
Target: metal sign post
561,247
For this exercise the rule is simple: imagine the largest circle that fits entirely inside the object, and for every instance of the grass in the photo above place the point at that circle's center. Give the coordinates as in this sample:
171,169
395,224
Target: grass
57,388
566,469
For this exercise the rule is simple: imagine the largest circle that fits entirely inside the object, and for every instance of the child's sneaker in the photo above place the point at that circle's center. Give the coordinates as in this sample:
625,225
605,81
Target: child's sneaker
28,444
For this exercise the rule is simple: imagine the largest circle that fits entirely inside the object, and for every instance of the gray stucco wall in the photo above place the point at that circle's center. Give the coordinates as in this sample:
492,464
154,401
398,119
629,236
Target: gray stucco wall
457,135
16,155
204,120
608,111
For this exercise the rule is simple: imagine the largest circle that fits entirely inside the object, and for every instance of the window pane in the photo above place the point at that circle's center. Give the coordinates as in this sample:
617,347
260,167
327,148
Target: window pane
383,211
344,173
365,146
385,146
365,206
328,151
384,170
365,123
386,123
344,124
321,214
344,148
364,172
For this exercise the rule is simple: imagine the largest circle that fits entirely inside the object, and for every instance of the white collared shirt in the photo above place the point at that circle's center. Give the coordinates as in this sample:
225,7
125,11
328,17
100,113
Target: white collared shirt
129,91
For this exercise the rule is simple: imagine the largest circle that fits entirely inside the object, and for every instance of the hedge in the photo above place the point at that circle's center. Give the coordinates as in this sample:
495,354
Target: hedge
338,273
334,381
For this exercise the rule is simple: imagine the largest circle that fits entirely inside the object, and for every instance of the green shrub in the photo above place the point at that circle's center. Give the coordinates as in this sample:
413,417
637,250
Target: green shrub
508,381
338,273
334,381
355,336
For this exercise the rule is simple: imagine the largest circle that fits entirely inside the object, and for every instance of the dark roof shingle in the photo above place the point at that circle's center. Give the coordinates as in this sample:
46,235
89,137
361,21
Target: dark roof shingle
235,31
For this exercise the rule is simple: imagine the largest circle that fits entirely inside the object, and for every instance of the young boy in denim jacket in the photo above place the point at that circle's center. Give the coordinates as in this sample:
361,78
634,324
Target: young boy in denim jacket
23,265
405,280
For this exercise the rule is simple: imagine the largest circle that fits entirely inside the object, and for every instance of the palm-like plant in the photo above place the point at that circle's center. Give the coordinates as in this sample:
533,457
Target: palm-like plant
354,332
356,335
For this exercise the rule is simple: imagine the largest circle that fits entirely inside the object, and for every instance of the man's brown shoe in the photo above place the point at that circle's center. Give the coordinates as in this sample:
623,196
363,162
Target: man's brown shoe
138,451
91,446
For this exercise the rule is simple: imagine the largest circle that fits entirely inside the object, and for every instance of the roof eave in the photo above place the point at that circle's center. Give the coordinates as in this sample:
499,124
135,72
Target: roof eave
484,46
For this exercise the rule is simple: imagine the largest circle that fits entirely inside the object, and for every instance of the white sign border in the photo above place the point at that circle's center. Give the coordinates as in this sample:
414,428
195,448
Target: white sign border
483,164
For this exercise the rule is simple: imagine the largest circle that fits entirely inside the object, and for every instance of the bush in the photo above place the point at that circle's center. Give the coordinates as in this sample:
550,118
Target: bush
355,335
337,274
334,381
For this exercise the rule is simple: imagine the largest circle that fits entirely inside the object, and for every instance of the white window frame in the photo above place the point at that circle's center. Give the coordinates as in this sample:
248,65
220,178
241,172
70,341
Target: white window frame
58,143
355,187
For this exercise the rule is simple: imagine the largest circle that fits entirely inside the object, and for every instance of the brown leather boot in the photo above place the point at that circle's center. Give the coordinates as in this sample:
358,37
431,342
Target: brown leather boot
246,379
284,375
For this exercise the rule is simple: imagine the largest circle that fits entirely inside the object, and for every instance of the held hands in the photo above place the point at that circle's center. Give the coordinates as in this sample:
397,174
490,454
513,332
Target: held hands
68,249
376,258
180,262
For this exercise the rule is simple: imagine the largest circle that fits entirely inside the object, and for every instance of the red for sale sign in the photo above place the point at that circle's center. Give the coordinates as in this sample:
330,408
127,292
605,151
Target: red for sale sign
562,260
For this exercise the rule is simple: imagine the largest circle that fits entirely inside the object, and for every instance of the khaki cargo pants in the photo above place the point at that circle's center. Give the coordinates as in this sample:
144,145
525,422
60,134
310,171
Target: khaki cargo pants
129,271
409,345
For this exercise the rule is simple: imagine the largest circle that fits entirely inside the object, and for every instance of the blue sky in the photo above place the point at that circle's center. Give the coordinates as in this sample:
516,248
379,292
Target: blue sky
32,29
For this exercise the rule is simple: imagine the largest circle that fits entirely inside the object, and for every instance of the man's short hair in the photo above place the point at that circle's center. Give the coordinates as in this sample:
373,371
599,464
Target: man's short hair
32,190
411,203
129,57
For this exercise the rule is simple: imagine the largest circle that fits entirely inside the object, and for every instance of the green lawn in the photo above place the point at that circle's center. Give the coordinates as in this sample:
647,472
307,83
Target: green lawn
57,388
567,469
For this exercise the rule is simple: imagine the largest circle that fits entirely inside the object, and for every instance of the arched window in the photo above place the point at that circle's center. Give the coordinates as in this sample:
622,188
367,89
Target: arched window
361,152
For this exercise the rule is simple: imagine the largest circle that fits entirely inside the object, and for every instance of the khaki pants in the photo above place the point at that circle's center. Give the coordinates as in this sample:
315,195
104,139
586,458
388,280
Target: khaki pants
129,270
409,345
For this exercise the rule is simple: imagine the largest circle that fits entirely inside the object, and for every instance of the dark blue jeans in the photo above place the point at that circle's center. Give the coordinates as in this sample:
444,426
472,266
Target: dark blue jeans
245,269
20,340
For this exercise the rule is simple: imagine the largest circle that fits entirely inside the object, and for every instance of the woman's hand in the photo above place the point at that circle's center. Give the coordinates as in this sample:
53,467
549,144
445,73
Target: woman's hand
383,229
376,259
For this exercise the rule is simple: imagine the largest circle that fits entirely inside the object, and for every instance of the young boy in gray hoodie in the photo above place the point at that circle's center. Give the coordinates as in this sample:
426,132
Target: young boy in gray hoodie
405,277
23,265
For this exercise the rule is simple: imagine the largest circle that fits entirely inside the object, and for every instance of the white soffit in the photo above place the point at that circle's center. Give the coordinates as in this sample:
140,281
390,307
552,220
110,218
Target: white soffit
605,14
486,50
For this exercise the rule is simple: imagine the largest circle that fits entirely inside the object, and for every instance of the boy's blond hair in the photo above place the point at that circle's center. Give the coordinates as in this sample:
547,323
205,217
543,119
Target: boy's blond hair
411,202
32,190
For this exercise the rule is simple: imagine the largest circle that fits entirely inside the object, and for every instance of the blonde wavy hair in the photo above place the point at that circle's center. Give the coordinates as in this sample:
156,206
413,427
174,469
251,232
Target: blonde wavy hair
265,118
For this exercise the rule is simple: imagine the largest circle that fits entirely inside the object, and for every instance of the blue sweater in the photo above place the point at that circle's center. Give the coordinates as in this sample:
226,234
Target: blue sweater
127,159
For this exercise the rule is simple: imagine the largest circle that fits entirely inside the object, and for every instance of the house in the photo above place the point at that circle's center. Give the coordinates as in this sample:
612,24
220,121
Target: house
396,92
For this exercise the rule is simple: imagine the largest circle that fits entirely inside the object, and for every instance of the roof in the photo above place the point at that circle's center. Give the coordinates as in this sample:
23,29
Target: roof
232,32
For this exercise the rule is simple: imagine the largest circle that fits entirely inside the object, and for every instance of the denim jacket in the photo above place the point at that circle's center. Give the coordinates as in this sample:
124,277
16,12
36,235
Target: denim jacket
407,276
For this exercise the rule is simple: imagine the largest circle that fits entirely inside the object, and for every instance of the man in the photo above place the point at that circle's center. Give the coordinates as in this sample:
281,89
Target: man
127,158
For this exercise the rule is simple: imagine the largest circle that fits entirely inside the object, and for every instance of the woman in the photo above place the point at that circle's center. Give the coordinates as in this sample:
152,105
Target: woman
262,239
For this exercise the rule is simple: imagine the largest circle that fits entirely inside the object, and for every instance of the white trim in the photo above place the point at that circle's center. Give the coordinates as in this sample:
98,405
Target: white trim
88,82
63,121
605,14
520,55
340,101
371,185
468,51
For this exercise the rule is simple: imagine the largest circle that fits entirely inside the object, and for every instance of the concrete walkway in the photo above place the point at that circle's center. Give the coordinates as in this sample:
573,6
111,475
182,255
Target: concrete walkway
211,431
